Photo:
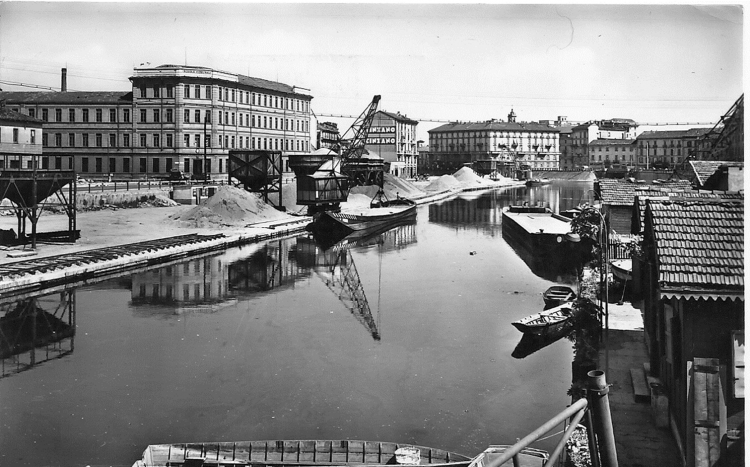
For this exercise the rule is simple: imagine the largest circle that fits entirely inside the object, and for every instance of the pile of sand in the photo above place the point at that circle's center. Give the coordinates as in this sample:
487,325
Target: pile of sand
469,178
230,206
443,183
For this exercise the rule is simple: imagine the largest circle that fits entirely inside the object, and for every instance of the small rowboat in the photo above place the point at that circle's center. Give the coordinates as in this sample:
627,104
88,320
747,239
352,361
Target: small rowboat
538,182
557,295
622,269
545,319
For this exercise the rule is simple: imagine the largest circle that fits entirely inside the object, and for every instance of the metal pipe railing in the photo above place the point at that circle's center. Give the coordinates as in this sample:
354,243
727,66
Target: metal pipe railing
578,406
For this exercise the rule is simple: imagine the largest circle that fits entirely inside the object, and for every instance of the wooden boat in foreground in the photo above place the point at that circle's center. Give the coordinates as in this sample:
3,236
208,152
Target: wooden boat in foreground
296,453
543,320
557,295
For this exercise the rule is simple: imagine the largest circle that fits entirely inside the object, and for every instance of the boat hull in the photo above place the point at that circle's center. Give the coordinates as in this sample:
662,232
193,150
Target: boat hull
295,453
622,269
557,295
369,219
544,320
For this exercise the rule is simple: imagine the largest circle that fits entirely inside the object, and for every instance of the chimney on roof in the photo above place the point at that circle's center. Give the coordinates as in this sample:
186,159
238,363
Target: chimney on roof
64,80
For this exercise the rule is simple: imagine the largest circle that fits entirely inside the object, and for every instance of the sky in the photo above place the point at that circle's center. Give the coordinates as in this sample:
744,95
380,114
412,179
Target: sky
430,61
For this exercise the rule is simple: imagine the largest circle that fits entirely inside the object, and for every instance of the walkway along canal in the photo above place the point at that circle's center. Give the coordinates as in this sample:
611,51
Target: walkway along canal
262,342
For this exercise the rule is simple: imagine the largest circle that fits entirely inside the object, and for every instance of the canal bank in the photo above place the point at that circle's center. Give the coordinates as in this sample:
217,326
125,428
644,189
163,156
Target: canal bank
106,228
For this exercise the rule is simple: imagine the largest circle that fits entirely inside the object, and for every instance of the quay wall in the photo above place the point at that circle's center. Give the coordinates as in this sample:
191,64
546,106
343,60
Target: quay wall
573,176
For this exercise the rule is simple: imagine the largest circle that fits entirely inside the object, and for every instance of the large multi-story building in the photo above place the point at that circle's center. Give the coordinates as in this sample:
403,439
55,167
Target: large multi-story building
668,149
20,140
515,144
175,117
394,138
613,153
582,135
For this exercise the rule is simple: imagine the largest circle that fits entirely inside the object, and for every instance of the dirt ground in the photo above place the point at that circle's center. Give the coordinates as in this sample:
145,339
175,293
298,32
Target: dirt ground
108,227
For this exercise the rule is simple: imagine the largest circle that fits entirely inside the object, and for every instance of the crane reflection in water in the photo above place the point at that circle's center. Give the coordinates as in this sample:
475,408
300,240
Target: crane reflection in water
211,282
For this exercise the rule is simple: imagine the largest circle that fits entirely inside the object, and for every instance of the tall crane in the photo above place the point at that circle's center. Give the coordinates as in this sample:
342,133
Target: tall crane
323,181
361,170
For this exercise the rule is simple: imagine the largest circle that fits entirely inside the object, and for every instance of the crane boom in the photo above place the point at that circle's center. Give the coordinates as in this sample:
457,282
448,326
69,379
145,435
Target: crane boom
354,147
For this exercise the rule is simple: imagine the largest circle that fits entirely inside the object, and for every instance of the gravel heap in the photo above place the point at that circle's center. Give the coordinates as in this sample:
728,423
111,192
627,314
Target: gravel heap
230,206
443,183
392,186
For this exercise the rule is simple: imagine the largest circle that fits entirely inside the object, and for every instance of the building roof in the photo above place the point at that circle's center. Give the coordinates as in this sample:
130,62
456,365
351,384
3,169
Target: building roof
612,142
67,98
493,126
643,193
398,117
674,134
8,115
704,169
699,247
616,192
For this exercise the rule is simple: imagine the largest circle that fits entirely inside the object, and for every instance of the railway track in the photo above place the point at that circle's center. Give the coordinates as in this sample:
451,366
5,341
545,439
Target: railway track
32,266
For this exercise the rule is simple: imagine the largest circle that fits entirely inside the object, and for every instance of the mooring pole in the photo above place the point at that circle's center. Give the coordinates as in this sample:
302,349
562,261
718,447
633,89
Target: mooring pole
599,403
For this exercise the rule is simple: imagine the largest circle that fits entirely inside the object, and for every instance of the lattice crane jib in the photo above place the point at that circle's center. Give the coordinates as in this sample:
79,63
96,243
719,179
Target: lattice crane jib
343,280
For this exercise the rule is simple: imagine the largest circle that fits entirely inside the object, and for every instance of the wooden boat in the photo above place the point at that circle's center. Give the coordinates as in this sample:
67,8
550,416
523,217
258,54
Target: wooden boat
538,182
622,269
528,457
557,295
373,218
543,320
296,453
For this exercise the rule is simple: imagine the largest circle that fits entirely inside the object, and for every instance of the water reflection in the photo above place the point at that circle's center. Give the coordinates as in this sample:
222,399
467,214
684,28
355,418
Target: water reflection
482,210
211,282
36,330
532,342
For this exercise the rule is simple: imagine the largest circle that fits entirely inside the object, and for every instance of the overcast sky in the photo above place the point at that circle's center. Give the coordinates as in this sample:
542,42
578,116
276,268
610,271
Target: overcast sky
651,63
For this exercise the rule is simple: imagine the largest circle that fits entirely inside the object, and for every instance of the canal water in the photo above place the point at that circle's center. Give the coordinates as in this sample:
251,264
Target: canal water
403,337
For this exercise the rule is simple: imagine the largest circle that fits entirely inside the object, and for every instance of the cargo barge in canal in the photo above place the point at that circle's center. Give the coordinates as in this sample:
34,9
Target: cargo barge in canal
538,228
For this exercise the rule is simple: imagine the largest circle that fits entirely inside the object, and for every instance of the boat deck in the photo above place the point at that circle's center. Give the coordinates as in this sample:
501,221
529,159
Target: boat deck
535,222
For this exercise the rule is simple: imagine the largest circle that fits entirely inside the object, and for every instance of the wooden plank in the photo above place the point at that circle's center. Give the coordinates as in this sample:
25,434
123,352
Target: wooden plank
701,447
640,386
700,407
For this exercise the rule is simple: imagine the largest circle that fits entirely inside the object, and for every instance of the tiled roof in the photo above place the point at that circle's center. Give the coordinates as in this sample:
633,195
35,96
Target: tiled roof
704,169
69,97
493,126
643,193
616,192
699,245
8,115
670,134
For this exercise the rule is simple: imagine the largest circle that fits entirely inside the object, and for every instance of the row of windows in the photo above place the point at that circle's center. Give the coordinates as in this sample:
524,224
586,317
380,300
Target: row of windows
155,140
82,115
198,91
229,118
502,134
